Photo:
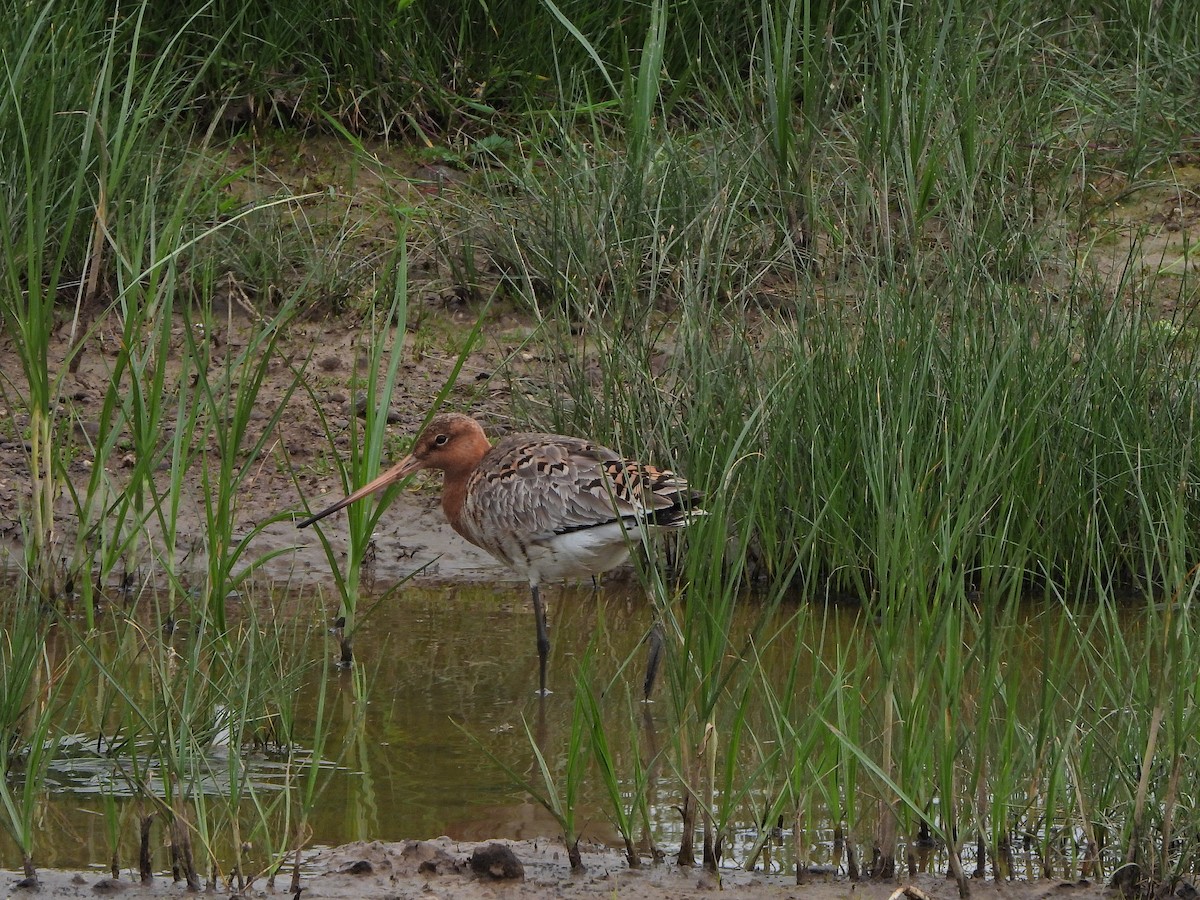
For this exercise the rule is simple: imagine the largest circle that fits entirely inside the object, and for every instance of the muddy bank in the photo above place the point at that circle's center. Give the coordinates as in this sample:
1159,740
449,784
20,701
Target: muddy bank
442,868
319,369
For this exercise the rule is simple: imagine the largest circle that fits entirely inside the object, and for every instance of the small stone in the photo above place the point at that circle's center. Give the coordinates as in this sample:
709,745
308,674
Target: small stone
430,858
360,409
358,867
496,861
110,886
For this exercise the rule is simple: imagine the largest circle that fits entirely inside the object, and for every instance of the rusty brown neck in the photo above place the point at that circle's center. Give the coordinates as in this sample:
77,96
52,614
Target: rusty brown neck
458,477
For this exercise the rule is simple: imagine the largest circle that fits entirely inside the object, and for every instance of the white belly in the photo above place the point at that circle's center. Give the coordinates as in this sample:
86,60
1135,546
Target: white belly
575,554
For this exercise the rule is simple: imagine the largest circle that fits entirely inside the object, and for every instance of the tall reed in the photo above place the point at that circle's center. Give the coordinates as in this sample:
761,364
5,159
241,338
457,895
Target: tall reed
368,449
108,218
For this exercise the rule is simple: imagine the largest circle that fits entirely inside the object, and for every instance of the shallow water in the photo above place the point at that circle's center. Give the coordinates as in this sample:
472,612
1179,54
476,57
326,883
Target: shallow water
451,670
447,669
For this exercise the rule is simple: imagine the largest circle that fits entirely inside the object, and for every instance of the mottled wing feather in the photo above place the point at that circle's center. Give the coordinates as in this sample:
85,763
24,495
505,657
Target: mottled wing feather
651,491
538,486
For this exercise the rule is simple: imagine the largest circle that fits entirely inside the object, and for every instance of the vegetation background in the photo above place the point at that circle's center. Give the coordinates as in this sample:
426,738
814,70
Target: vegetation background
906,288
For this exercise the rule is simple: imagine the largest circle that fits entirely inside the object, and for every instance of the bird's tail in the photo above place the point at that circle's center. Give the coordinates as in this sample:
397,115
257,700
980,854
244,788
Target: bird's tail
686,510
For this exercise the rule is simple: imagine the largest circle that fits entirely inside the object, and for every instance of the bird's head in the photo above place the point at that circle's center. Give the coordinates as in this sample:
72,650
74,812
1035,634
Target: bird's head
451,442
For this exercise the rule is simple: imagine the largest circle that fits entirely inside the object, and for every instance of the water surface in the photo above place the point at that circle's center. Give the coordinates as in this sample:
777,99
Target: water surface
450,675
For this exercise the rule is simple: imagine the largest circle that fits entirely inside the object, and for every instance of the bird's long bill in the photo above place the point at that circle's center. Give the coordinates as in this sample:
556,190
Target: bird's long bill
403,469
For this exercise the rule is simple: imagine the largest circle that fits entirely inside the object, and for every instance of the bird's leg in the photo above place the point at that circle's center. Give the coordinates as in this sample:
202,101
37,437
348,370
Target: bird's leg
344,641
654,641
543,638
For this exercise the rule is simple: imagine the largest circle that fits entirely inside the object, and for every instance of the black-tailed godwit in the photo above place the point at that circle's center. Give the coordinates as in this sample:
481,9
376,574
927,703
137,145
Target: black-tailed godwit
545,505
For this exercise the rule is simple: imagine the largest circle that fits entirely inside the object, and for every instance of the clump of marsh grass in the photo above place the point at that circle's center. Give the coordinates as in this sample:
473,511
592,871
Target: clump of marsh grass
68,232
108,227
368,449
626,792
556,792
183,722
36,697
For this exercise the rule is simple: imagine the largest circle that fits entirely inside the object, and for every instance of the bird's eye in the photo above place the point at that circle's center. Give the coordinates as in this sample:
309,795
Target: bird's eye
440,440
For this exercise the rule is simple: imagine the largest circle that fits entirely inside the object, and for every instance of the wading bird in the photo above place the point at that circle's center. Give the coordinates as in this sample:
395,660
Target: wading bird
545,505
